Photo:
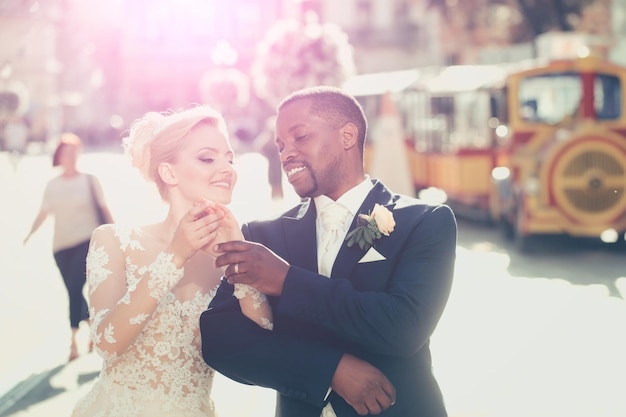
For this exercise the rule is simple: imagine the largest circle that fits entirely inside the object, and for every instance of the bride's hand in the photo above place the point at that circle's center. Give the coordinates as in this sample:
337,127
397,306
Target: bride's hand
197,229
228,229
229,226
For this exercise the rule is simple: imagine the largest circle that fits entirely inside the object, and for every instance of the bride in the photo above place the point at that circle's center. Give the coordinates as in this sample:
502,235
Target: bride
148,285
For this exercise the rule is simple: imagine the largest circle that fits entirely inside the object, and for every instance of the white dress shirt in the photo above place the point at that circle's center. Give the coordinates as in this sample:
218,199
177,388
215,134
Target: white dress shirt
351,200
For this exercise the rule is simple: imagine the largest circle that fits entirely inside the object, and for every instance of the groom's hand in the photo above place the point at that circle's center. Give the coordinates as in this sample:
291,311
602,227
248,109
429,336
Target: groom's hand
363,386
253,264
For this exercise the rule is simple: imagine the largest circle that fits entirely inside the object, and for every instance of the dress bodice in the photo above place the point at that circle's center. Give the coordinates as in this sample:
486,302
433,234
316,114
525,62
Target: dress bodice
161,371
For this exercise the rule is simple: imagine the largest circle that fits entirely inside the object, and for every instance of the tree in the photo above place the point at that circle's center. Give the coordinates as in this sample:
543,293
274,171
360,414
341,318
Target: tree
522,20
294,55
542,16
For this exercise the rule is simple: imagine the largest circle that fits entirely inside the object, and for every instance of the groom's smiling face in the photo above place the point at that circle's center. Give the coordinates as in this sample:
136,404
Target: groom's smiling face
310,150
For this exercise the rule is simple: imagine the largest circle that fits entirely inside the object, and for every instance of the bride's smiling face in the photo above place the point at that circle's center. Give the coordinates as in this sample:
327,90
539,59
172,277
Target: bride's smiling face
203,168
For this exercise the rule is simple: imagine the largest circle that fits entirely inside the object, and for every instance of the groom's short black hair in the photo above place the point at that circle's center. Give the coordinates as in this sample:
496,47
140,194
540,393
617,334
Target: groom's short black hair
334,104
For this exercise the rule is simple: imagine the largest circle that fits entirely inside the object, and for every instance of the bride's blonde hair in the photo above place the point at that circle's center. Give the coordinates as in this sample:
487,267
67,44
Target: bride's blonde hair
156,137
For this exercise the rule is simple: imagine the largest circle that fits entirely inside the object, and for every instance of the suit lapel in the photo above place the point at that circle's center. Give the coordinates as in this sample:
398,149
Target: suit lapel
302,249
300,237
348,257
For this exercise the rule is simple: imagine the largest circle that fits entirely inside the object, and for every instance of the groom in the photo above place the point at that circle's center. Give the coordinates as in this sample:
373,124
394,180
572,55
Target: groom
356,343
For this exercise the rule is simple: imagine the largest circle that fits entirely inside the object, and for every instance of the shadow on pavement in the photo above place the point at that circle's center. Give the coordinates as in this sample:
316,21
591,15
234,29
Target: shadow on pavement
576,260
44,387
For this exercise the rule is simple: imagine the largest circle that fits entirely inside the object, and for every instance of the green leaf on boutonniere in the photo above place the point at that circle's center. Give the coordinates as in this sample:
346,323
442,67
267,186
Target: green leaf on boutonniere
369,228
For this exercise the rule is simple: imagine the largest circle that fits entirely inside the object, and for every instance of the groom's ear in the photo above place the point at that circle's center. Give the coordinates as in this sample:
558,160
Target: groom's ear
167,174
349,135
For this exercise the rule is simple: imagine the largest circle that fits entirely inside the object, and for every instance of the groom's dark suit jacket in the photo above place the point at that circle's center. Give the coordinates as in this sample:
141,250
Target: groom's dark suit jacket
383,312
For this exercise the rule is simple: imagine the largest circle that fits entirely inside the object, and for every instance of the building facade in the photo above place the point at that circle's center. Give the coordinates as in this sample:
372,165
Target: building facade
93,66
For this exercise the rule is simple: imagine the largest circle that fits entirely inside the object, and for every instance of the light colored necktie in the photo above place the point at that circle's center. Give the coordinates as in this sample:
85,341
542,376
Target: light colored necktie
328,411
333,218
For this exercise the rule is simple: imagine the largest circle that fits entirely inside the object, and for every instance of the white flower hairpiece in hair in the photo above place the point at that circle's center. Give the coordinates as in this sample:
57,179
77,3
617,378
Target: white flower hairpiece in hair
371,227
140,137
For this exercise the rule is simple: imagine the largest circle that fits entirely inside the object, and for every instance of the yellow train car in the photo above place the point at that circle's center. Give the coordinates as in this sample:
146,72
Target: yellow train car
537,147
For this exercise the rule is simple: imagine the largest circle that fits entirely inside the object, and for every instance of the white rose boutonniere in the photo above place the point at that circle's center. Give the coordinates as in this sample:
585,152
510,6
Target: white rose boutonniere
371,227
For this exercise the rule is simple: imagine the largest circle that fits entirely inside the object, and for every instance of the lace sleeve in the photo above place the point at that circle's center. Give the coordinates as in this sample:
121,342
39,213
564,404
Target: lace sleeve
122,296
254,305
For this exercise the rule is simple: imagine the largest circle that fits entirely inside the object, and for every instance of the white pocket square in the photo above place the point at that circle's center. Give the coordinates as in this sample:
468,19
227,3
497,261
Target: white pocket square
372,255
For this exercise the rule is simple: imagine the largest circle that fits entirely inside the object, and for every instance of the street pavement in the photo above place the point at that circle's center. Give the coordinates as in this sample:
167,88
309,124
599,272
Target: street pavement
508,345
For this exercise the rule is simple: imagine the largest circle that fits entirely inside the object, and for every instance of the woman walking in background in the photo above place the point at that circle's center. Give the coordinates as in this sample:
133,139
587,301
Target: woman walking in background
76,201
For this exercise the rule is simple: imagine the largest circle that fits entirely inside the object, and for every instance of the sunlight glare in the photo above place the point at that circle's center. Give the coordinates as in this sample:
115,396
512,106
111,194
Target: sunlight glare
433,195
609,236
620,284
500,173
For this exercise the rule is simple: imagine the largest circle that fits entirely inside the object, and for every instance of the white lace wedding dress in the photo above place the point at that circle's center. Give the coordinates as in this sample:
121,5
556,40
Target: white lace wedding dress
154,367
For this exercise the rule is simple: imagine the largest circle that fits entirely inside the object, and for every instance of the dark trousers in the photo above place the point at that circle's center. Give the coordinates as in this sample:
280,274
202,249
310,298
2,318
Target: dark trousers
72,263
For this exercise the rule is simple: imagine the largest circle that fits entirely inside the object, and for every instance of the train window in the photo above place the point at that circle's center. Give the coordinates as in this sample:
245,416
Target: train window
473,113
442,123
550,98
424,129
607,97
461,121
498,106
